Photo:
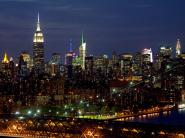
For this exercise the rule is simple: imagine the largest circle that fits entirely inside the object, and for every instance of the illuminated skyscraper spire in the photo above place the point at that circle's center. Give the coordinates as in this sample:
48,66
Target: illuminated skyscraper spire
5,59
38,48
82,52
82,39
38,23
178,48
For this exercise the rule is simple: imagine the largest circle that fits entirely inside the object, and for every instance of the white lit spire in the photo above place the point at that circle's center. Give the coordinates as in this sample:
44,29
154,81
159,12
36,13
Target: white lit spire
38,36
38,23
178,48
82,52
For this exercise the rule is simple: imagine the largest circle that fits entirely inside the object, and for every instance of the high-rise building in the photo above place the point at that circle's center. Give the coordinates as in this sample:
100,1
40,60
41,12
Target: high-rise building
69,55
23,70
7,66
147,55
126,64
5,63
89,65
27,59
82,52
101,63
137,62
38,49
5,59
165,52
54,64
178,48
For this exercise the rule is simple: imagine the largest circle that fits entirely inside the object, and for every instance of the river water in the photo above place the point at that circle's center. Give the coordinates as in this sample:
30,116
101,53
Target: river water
174,117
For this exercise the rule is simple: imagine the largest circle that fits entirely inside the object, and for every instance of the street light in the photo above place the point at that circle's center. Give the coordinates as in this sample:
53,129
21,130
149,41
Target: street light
29,112
17,112
79,112
38,110
65,113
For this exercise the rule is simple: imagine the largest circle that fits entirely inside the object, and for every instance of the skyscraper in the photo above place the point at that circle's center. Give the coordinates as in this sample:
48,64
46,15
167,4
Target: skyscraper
54,64
69,55
178,48
38,49
5,64
82,53
5,59
147,55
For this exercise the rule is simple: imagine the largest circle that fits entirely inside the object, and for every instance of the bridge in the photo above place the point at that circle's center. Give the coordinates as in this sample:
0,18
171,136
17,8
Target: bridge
42,127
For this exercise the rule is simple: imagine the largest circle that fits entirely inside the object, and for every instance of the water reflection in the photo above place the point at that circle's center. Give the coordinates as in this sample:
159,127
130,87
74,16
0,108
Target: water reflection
174,117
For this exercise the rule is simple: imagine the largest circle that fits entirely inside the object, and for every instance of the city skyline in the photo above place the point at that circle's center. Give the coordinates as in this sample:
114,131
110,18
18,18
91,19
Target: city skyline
101,34
92,68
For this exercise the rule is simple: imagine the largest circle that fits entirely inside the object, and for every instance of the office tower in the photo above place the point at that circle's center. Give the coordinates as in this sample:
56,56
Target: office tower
54,64
69,58
12,68
38,49
27,59
5,64
147,65
69,55
147,55
178,48
165,52
137,63
126,64
82,52
89,66
23,71
101,64
5,59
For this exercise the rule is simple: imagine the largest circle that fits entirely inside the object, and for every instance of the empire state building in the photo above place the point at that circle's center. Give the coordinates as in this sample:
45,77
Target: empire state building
38,49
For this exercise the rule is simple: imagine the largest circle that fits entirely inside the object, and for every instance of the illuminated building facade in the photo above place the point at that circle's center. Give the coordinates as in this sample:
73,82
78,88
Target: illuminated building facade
70,55
147,55
126,64
38,49
137,61
54,64
82,53
165,52
27,59
101,64
178,48
147,65
89,66
5,63
23,71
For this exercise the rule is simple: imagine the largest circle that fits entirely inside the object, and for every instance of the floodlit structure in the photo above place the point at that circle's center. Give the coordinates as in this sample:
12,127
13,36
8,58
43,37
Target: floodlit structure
178,48
149,53
38,49
82,52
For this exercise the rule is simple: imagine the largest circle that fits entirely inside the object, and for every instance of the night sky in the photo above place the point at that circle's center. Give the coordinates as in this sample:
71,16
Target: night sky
108,25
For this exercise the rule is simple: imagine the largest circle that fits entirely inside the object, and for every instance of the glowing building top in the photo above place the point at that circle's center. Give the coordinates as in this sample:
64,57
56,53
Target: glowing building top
5,59
38,49
38,36
148,52
82,52
178,48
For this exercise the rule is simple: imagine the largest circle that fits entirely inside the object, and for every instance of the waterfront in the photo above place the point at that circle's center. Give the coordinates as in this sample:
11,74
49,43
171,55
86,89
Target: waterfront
173,117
